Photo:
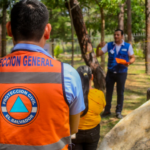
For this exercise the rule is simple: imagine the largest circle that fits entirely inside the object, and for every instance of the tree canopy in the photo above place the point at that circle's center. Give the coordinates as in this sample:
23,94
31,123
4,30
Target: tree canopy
60,20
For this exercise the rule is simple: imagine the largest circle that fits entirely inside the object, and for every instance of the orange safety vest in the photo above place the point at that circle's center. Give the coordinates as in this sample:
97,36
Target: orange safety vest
34,110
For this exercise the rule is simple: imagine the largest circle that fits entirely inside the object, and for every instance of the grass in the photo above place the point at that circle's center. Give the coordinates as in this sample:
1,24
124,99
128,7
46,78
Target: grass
77,60
135,91
135,94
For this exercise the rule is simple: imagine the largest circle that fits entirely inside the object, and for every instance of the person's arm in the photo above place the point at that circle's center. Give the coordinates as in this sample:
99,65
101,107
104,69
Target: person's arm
104,101
132,59
131,56
102,98
99,51
74,123
74,95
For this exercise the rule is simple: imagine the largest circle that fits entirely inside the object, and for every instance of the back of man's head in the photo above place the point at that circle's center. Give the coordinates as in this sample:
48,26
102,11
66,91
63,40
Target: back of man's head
28,20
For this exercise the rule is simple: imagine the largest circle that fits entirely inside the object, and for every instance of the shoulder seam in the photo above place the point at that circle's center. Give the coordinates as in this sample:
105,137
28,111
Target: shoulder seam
63,84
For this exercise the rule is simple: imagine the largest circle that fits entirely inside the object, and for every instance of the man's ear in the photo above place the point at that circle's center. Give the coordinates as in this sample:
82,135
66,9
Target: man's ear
47,31
8,27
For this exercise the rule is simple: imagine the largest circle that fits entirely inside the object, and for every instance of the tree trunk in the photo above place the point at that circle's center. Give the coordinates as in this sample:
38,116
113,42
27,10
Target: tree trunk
129,21
148,94
86,46
147,37
102,36
52,33
4,12
146,15
121,17
0,40
72,34
52,46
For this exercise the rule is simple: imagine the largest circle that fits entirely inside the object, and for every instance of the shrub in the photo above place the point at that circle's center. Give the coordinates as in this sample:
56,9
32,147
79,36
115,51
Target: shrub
57,51
138,52
94,50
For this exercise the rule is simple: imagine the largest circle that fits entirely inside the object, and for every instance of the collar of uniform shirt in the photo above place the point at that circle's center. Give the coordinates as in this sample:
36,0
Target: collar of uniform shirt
121,43
30,47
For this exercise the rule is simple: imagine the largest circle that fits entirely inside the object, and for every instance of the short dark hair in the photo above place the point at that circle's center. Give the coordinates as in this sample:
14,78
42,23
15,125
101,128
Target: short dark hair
122,33
28,20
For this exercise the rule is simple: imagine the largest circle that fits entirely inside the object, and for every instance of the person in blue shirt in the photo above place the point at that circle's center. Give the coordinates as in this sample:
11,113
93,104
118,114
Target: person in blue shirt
29,33
116,72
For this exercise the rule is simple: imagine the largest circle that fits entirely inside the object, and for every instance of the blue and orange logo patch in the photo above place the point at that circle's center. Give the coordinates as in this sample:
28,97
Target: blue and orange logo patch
19,106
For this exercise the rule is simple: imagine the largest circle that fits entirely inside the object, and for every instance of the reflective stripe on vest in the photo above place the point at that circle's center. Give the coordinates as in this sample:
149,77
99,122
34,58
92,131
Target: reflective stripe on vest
34,110
30,77
56,146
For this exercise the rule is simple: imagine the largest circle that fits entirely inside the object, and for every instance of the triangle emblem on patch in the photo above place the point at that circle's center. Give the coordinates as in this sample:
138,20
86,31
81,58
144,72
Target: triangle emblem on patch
19,107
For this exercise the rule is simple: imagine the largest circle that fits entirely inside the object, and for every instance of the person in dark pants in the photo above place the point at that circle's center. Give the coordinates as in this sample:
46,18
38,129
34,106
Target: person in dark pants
111,78
87,139
89,127
117,72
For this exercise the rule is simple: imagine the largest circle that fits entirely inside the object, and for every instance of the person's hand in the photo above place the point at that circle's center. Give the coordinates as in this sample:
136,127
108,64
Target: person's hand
127,65
99,52
102,44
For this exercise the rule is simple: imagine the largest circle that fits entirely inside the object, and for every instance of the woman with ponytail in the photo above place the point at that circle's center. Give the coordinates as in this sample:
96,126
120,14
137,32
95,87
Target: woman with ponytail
89,127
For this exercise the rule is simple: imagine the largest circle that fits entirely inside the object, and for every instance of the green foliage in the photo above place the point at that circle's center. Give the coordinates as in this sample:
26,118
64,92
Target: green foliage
57,51
139,49
59,19
92,15
138,52
138,16
94,50
111,10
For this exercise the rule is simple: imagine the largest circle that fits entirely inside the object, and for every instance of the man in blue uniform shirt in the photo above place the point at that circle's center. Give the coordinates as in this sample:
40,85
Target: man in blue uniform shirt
29,32
116,72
